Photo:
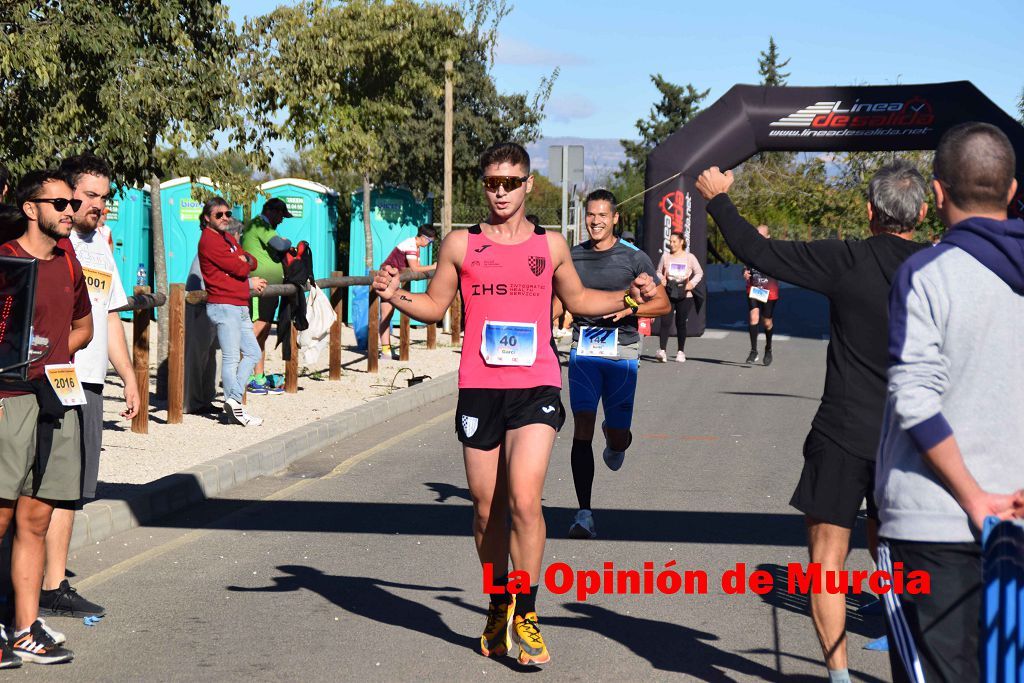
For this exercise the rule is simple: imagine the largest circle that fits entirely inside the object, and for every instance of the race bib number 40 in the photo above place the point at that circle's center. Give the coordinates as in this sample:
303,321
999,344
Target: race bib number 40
598,341
64,381
98,282
759,294
509,343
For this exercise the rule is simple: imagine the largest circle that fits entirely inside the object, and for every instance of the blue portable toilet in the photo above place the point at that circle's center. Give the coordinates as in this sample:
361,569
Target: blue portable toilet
181,224
314,209
395,214
128,218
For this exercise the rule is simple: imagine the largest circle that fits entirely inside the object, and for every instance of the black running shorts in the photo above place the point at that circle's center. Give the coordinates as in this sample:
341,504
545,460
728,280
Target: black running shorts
484,415
834,483
767,308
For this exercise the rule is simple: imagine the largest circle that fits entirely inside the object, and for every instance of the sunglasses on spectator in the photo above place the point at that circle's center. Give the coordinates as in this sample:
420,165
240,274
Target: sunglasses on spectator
59,203
222,214
511,183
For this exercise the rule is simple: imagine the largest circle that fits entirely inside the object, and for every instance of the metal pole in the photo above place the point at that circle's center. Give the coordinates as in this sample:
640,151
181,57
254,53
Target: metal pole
565,191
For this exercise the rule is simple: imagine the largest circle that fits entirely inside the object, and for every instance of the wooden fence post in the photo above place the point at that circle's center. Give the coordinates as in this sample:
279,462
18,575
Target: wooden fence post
291,367
456,318
372,330
176,354
432,336
334,349
140,359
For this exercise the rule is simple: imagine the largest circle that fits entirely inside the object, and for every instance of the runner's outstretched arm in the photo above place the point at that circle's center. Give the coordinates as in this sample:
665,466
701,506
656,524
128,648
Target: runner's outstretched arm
430,306
592,303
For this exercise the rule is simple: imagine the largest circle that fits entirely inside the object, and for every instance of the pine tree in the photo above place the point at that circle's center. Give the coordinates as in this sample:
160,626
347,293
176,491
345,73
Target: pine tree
770,67
678,105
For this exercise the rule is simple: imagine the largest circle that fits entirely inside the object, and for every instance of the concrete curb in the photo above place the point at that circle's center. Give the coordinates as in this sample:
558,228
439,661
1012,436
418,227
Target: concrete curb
103,518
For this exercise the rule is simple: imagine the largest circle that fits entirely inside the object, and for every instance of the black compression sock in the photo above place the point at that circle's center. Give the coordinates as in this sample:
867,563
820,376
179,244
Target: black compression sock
582,462
526,603
753,336
768,339
500,598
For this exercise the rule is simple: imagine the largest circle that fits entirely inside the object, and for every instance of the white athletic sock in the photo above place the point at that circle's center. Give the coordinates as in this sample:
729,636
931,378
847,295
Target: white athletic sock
839,676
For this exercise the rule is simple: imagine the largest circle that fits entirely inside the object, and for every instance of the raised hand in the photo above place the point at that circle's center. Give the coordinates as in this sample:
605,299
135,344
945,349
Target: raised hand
386,282
713,182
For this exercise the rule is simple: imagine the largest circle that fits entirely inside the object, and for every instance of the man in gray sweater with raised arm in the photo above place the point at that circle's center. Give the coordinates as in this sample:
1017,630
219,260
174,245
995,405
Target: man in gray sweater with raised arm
950,452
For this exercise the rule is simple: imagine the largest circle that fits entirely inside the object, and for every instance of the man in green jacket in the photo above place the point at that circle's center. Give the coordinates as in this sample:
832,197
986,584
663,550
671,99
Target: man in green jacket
255,241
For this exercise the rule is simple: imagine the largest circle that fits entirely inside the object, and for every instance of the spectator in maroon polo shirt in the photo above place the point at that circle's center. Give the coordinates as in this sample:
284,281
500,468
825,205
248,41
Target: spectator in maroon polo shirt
225,268
405,256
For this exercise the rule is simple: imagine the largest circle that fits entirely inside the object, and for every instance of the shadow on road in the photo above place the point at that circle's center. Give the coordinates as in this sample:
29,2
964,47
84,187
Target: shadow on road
446,491
366,597
767,394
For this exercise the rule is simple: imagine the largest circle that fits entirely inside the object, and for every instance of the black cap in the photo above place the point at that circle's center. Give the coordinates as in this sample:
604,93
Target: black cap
274,203
627,236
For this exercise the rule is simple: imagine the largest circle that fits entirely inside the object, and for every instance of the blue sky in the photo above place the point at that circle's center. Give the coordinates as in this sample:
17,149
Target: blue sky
607,49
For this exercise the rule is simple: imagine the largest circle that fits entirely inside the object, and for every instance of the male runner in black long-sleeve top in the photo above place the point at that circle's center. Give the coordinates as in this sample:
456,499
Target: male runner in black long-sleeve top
839,452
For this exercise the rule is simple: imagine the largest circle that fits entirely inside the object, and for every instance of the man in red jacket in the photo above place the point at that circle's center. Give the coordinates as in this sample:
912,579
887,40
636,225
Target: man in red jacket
226,267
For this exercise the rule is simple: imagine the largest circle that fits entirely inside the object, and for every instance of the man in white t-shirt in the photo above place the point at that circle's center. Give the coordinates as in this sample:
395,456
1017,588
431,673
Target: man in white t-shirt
89,177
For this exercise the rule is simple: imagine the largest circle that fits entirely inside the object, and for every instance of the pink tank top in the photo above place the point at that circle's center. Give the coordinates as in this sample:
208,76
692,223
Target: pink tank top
510,284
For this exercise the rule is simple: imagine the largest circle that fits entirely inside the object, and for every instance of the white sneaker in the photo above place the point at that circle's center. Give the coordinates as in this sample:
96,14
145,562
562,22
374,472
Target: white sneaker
58,637
680,357
237,415
662,357
583,527
252,420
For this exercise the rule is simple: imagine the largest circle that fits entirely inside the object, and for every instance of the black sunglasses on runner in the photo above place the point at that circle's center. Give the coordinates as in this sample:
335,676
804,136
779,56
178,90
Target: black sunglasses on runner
222,214
511,183
59,203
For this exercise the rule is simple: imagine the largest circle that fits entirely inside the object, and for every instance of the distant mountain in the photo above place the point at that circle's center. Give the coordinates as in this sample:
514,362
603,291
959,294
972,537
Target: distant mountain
601,156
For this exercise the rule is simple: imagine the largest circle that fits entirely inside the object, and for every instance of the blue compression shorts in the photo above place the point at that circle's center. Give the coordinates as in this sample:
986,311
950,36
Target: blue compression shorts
610,380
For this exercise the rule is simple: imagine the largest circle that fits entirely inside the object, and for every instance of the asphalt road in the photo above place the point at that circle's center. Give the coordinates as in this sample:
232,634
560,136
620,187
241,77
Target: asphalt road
357,562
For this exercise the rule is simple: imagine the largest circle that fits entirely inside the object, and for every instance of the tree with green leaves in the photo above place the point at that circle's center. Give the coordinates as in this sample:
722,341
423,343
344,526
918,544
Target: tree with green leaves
676,106
343,76
125,80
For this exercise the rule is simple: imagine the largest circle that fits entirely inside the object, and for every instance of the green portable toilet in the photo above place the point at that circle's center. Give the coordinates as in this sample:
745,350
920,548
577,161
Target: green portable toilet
395,215
129,221
314,209
181,224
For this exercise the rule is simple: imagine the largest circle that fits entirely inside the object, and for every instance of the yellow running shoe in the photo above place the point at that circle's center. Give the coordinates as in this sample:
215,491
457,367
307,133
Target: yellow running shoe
495,640
526,635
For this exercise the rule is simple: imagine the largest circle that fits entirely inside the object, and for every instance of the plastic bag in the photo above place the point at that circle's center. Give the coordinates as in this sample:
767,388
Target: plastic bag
320,316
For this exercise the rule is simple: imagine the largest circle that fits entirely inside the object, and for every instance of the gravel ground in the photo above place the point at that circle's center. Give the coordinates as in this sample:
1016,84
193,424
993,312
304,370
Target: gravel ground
130,458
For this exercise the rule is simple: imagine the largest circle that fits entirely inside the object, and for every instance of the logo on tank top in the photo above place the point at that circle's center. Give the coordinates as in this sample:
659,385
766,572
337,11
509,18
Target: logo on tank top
469,425
537,264
480,250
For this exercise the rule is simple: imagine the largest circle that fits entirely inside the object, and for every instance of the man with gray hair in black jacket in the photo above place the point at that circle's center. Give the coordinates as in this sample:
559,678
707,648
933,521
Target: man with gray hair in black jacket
839,453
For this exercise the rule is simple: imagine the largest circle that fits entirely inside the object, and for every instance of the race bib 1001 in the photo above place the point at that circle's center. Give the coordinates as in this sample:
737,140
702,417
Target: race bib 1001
98,282
64,381
505,343
759,294
598,341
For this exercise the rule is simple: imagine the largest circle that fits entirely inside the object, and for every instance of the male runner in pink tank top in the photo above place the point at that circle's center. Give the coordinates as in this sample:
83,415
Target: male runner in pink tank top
509,406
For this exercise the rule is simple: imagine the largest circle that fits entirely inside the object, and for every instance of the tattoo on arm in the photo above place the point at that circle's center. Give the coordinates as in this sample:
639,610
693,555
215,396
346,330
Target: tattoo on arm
403,297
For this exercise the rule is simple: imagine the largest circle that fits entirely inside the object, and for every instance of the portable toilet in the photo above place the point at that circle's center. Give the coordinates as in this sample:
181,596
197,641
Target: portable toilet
314,210
128,218
181,224
395,215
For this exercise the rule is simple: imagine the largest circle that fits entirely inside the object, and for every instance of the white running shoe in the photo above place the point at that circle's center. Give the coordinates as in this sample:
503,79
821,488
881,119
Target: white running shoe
58,637
680,357
583,526
662,356
237,415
